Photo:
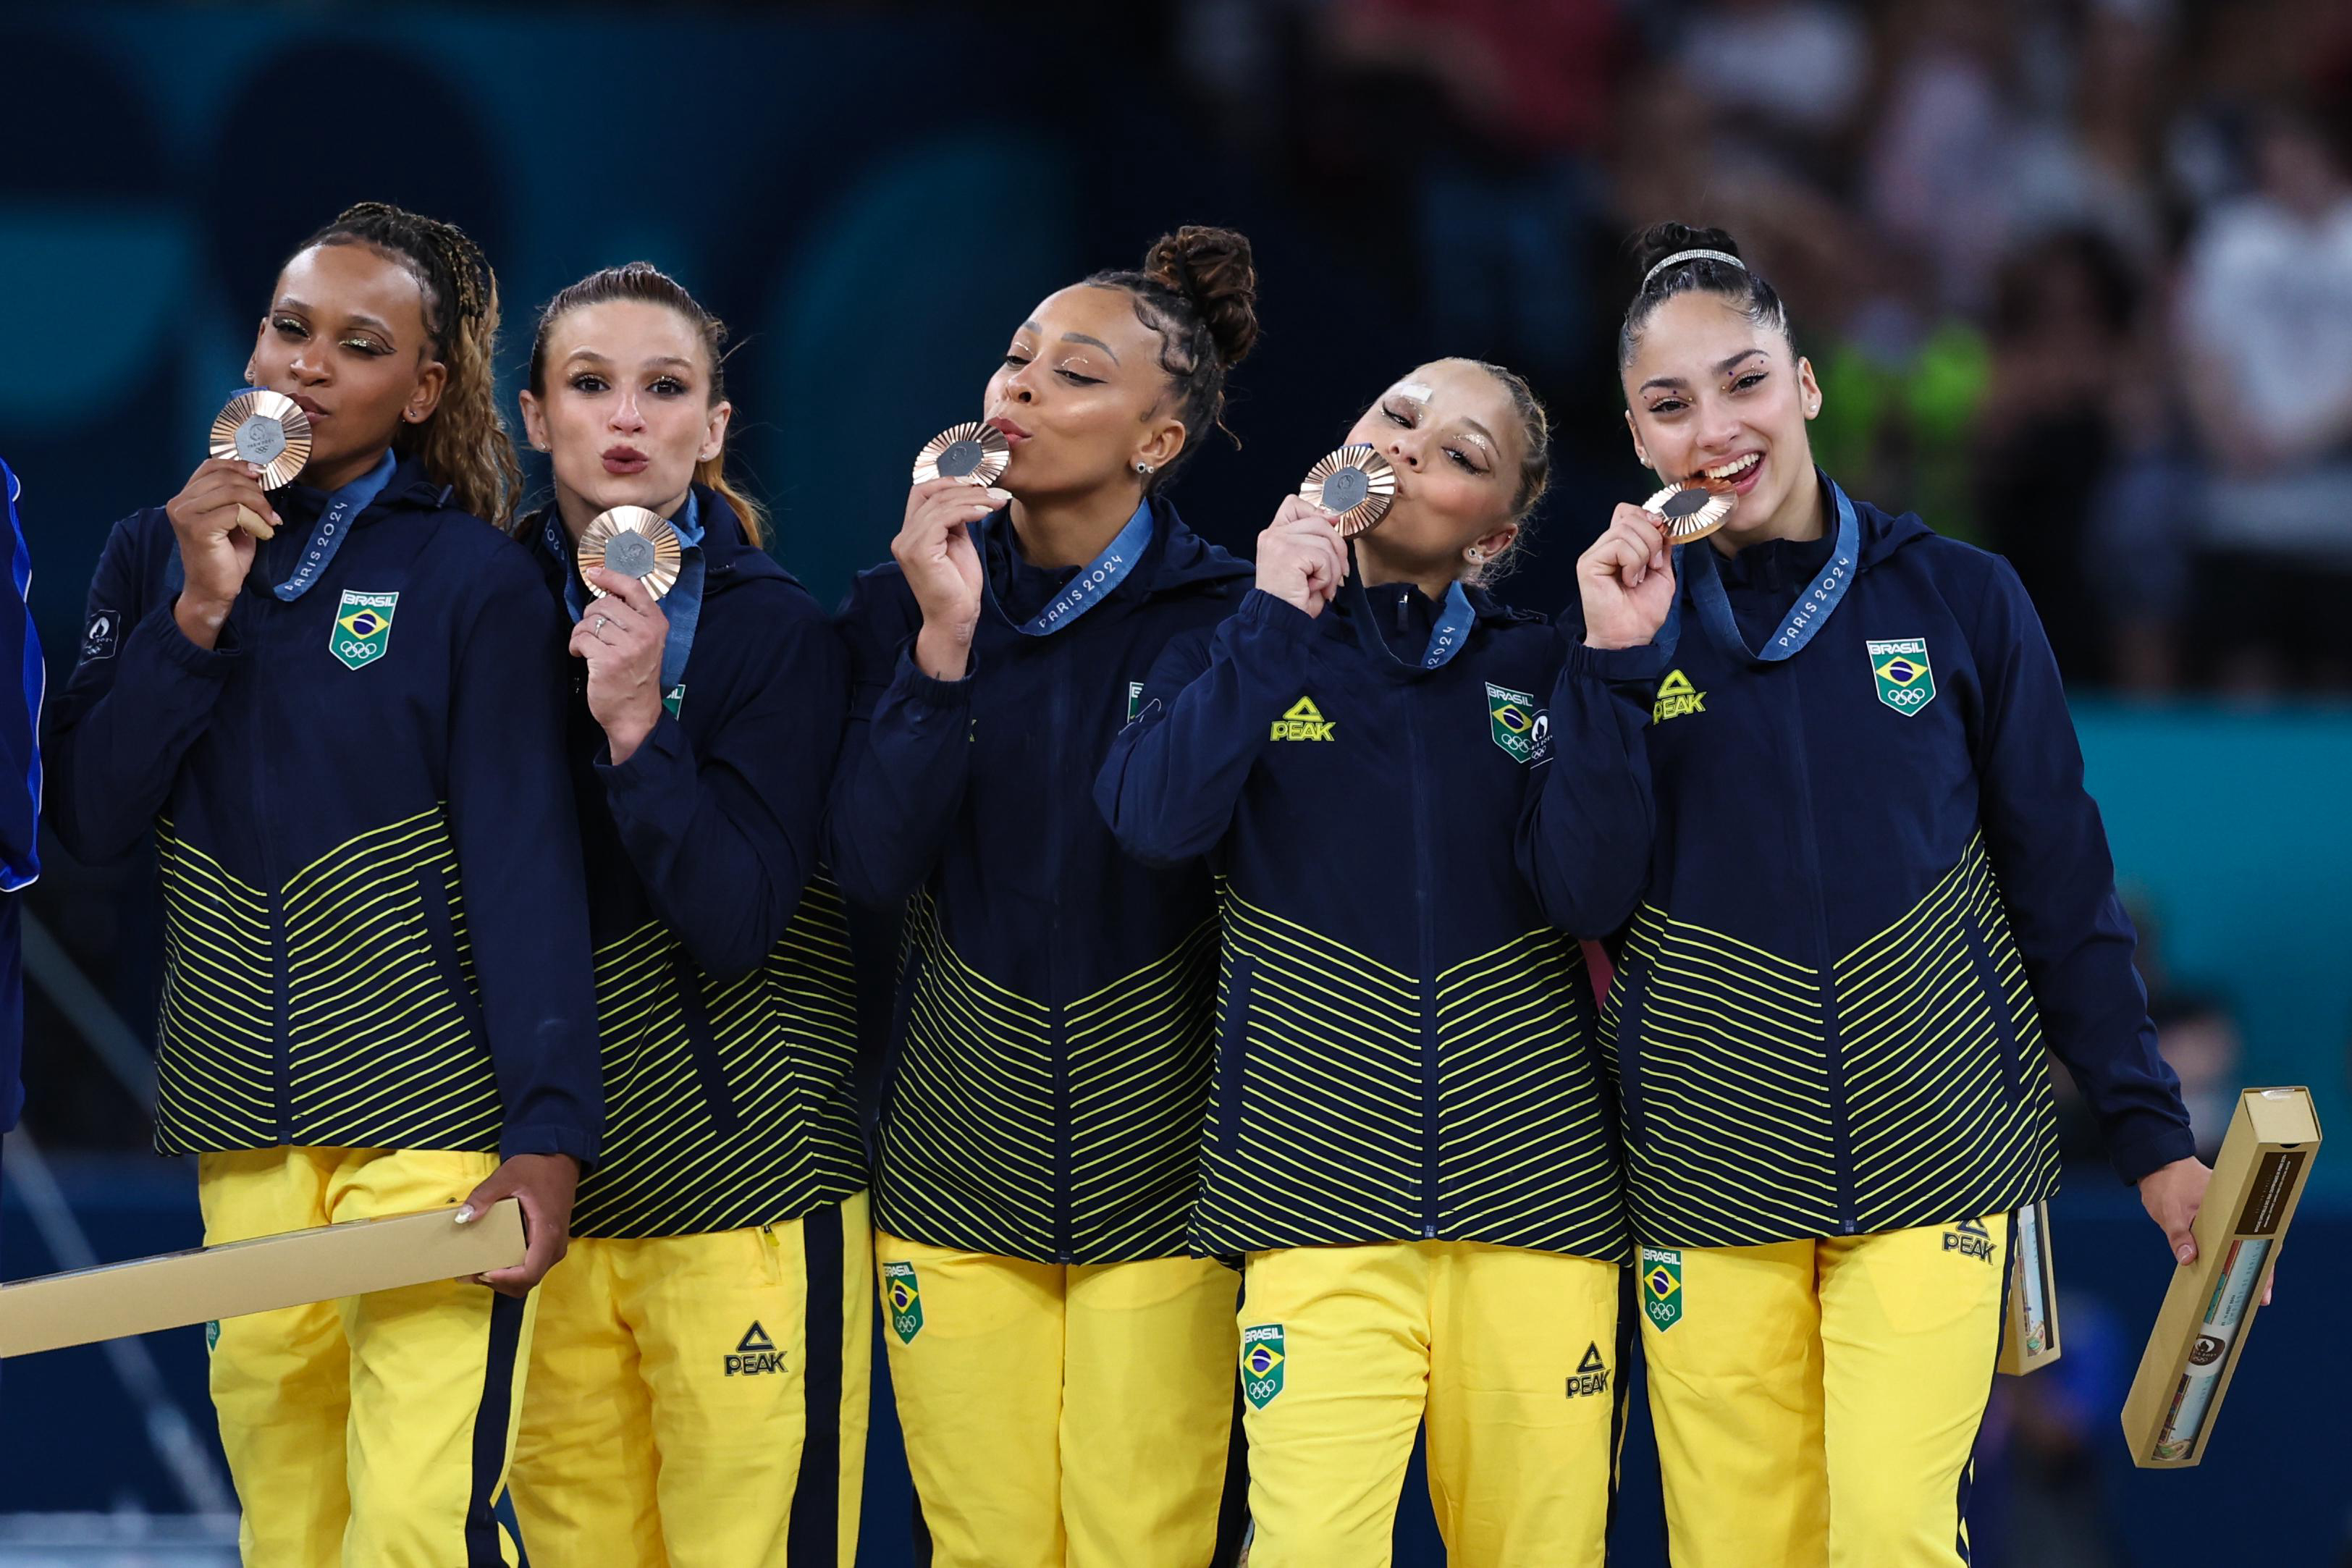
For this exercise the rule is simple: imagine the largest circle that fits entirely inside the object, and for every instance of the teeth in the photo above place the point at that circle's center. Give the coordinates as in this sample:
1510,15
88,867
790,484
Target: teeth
1739,466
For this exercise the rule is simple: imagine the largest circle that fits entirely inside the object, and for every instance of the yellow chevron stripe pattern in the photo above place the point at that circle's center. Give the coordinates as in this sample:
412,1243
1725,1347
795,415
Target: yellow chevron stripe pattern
1730,1058
384,1034
215,1059
969,1139
739,1109
359,964
1943,1118
1526,1155
1139,1051
1317,1127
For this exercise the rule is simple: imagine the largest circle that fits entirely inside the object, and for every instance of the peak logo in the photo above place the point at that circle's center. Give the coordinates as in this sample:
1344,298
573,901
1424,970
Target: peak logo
1592,1375
1969,1239
755,1353
1304,721
1676,697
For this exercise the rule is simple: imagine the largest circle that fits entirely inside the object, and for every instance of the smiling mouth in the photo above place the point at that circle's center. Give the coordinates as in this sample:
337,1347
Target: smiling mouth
1729,473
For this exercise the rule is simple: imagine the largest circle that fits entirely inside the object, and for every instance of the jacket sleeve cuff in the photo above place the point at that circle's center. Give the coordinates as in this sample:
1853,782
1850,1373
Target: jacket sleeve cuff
548,1138
929,690
160,633
651,773
1262,611
1614,665
2145,1143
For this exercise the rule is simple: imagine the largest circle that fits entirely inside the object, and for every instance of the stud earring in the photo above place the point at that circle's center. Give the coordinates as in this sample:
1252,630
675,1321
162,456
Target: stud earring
1475,555
1144,468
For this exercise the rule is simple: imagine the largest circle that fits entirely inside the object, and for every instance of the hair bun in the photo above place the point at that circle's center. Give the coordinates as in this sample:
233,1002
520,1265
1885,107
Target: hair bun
1660,240
1212,268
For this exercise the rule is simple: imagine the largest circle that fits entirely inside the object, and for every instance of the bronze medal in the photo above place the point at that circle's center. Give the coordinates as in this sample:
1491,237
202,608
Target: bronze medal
1354,485
269,430
1692,511
635,542
976,452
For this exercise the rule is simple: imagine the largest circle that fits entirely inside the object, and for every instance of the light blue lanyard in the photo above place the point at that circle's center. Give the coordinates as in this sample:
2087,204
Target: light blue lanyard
1452,631
682,605
342,509
1805,618
1104,574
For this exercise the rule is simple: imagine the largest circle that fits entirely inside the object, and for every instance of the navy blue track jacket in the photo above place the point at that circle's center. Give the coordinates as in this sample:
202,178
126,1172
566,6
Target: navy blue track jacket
723,985
375,930
1877,889
22,679
1052,1033
1405,1047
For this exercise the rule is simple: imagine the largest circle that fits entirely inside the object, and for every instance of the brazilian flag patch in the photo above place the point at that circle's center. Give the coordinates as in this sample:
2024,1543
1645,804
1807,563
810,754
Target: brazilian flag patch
1905,681
1662,1286
362,630
1262,1363
904,1299
1511,721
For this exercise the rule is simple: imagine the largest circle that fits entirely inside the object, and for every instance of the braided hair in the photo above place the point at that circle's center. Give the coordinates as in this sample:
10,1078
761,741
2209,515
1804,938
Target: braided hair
1198,289
464,443
649,284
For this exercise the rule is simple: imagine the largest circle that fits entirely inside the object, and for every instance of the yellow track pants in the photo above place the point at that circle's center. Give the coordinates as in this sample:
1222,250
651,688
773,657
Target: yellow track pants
700,1401
1816,1401
375,1431
1510,1357
1063,1416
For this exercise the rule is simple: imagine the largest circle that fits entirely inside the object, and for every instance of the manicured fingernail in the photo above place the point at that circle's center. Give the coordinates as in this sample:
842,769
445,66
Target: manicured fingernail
2186,1253
997,495
465,1214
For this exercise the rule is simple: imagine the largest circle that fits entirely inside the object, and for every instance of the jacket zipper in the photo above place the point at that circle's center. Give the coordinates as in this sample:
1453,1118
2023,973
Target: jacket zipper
1058,1033
1423,873
262,660
1839,1133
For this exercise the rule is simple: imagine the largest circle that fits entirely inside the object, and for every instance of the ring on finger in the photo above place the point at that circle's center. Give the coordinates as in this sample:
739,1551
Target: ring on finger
601,622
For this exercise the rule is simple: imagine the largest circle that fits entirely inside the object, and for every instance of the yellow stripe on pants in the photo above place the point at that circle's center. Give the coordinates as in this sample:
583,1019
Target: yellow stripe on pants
1509,1355
670,1412
372,1431
1061,1415
1816,1401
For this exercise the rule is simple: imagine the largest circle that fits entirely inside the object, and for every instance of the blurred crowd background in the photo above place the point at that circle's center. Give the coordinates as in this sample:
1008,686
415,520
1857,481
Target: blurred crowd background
2076,275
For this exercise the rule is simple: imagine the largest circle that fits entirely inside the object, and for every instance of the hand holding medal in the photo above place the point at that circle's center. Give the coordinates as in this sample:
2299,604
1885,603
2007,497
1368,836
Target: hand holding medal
269,430
637,554
1625,580
955,476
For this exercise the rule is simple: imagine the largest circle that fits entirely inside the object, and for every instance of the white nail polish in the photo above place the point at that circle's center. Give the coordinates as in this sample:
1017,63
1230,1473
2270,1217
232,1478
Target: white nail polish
465,1214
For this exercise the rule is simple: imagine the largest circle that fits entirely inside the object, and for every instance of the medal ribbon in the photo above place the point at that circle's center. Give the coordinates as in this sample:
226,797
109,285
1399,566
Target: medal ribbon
1096,579
1814,602
682,605
342,509
1452,631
